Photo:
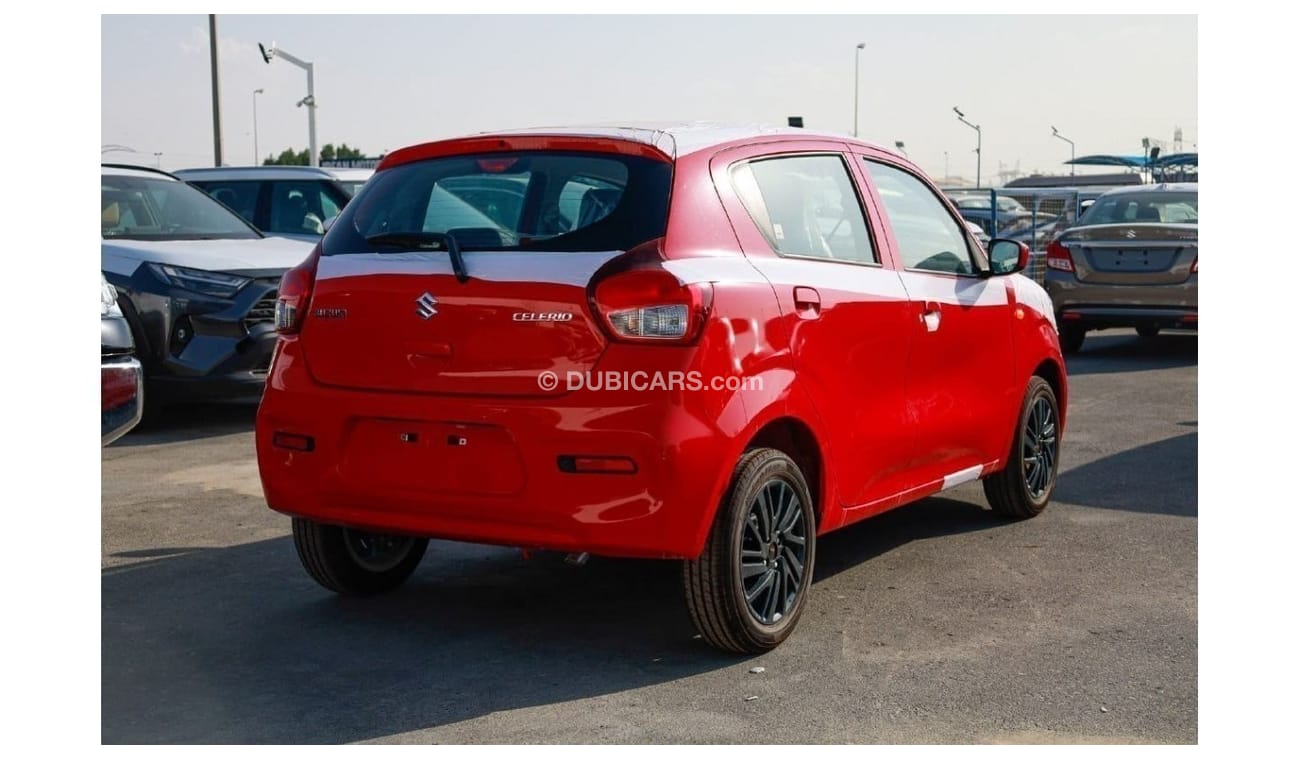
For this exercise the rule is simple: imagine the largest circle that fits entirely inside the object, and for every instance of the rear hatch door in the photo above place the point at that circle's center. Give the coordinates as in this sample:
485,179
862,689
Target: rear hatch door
388,311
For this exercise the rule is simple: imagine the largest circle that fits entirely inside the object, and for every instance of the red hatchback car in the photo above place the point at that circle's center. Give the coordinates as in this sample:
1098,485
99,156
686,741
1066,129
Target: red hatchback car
697,343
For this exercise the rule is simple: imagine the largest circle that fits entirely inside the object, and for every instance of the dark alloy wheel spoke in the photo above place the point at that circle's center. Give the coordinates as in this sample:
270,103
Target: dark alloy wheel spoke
773,552
1038,448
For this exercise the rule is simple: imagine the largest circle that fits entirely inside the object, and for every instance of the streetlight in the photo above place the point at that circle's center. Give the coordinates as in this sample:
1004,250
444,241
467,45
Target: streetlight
979,141
946,175
1060,136
157,160
857,58
309,101
899,144
256,92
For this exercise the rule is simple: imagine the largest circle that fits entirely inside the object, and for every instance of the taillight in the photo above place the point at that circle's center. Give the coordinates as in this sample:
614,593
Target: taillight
295,294
649,304
1195,261
1058,257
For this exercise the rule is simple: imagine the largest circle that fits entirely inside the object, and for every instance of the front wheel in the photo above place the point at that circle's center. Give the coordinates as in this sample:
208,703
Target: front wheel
1024,486
747,590
354,562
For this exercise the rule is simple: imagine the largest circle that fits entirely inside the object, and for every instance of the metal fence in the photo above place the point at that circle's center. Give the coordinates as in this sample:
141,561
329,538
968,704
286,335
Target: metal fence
1033,216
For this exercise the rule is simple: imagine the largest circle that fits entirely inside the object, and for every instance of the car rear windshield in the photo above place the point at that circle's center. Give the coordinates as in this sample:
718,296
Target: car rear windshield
144,208
1154,207
512,201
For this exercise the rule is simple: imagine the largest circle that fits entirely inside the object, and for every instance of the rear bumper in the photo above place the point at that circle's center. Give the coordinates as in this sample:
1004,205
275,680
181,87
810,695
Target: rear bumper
486,469
1096,306
121,397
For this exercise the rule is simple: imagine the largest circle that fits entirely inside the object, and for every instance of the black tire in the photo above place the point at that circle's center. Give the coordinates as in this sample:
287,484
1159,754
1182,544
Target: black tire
715,582
1072,339
1019,490
332,556
1148,331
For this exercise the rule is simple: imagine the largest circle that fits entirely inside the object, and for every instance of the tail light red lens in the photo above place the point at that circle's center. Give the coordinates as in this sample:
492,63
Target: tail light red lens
1058,257
1195,261
650,305
295,295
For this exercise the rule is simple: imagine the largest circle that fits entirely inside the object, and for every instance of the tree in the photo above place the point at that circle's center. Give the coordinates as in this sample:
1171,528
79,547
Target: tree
289,157
328,152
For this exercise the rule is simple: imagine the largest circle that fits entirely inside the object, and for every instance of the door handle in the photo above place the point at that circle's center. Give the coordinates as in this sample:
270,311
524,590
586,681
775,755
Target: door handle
930,315
807,302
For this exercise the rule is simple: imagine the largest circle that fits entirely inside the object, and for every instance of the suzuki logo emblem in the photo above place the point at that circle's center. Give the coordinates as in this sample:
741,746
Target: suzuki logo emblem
1130,234
426,305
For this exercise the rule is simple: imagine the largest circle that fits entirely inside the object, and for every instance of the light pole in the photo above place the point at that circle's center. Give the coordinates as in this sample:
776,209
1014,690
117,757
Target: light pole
157,160
309,101
899,144
1060,136
857,59
216,90
946,175
256,92
979,142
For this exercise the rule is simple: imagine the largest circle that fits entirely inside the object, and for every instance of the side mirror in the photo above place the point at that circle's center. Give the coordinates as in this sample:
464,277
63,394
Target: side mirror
1007,256
329,222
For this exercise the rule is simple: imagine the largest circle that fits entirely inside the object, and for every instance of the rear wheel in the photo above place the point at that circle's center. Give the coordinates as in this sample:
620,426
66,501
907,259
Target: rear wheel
1023,488
1148,331
747,590
1072,338
355,562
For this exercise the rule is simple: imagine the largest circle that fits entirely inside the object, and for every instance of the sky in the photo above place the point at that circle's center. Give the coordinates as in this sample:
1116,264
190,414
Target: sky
383,82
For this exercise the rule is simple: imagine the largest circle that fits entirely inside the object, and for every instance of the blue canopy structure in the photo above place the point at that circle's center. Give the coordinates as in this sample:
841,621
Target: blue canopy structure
1175,167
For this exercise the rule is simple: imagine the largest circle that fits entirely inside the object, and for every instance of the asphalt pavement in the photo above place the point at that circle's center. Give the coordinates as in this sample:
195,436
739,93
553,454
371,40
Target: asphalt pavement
937,622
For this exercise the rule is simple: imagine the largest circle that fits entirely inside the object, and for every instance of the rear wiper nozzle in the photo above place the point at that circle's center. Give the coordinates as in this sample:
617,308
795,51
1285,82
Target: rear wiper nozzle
426,241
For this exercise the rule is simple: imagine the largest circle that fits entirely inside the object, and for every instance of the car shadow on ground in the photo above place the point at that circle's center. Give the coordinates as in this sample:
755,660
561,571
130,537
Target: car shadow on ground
190,422
1125,351
237,645
1157,478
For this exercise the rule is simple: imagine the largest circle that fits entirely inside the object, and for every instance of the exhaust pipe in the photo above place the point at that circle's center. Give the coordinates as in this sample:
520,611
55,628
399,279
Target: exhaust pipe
577,560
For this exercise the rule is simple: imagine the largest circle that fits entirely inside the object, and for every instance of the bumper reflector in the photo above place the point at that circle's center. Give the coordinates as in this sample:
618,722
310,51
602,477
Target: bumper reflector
293,441
601,465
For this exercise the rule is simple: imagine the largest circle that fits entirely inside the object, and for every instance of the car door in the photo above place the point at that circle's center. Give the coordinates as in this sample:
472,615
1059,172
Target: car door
801,220
960,367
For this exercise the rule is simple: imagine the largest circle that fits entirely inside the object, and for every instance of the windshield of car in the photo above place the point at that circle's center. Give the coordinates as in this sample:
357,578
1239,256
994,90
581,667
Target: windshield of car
537,200
148,208
1154,207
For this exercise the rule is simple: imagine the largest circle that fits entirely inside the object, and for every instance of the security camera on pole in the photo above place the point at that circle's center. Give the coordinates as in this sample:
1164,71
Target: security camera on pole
309,101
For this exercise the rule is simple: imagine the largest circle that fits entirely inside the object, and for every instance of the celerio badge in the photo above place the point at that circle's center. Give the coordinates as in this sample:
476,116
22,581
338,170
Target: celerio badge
542,316
426,305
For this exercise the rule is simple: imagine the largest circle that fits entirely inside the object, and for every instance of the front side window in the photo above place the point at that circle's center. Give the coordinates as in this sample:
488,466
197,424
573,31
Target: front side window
240,196
806,206
300,208
145,208
928,237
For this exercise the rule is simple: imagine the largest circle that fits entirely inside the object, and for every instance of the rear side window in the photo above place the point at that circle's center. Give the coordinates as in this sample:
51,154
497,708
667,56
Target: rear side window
526,200
806,206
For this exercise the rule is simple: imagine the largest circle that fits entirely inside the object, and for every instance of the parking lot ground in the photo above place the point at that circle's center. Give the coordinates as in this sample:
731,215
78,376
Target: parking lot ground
937,622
